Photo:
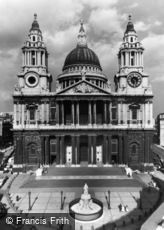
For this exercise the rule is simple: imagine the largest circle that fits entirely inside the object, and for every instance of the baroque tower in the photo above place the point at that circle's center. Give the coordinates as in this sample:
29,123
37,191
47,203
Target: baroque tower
34,77
131,78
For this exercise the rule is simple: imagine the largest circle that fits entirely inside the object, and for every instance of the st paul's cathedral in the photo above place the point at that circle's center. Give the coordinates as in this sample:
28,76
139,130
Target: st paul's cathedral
84,121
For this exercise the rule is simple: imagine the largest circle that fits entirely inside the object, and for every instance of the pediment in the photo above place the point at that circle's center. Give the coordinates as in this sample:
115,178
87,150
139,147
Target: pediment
83,87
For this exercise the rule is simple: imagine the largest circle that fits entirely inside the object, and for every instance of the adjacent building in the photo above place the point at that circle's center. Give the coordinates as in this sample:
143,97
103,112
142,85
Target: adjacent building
160,129
6,134
83,122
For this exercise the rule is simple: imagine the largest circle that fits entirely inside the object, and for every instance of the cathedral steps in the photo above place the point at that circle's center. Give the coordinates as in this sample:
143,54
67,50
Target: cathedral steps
97,178
86,171
77,185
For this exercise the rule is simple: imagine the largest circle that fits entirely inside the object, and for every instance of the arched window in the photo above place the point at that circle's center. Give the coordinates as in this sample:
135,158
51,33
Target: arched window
32,154
134,149
134,152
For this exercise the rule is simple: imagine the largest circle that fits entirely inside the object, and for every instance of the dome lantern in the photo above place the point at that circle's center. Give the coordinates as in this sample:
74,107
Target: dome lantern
82,38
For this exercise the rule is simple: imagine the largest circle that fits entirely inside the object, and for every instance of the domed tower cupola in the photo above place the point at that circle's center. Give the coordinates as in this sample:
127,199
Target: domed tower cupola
130,26
81,59
35,24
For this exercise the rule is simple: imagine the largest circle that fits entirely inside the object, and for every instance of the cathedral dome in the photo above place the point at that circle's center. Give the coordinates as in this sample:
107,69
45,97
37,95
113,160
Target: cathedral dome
82,55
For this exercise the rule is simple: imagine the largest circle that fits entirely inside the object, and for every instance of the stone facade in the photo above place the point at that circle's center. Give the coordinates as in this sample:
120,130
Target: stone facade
83,121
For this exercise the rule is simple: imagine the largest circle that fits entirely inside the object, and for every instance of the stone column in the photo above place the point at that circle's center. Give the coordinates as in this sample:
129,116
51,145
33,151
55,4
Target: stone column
62,112
77,150
94,149
120,149
42,150
47,150
44,63
62,150
90,113
57,113
104,157
109,150
73,113
105,112
57,150
48,115
109,112
77,112
73,150
94,112
89,150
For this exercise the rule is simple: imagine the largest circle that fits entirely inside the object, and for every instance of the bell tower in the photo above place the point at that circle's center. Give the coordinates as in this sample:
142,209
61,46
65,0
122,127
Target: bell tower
34,77
131,78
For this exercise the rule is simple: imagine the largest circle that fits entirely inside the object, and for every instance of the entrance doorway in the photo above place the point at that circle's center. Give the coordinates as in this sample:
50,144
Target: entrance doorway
83,149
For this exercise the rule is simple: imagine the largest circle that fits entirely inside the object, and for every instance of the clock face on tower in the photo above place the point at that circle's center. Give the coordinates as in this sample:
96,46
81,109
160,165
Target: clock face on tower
32,79
134,79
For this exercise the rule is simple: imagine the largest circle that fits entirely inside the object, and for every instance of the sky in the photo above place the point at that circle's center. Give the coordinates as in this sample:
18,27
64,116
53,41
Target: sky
104,21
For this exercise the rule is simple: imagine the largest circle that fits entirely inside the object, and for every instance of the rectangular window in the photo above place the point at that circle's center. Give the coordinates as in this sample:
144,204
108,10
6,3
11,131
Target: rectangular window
114,111
17,114
32,114
132,58
124,58
33,57
134,114
41,58
52,111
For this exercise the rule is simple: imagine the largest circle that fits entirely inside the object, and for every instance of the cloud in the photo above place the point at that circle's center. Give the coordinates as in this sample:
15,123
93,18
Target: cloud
134,5
141,26
107,54
100,4
154,55
105,22
157,23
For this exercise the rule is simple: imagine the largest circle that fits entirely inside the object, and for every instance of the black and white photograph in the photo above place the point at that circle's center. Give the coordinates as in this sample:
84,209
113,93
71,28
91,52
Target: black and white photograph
82,114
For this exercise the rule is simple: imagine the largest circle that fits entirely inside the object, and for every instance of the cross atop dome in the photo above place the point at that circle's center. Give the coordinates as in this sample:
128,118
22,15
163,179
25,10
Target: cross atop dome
81,27
35,16
82,37
130,17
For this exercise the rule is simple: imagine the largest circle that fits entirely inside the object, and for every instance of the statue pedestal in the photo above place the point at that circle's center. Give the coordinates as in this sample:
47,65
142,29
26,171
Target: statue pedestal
86,208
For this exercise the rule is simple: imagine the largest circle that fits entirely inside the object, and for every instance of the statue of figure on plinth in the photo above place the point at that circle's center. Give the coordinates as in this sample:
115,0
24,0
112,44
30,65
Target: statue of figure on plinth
85,202
83,73
85,189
